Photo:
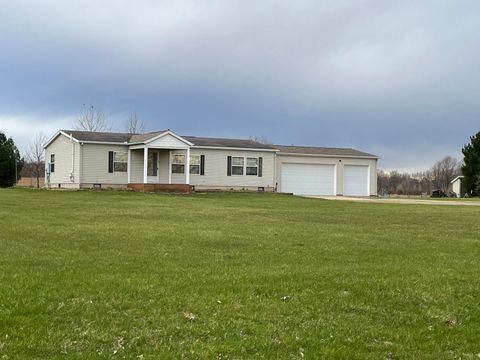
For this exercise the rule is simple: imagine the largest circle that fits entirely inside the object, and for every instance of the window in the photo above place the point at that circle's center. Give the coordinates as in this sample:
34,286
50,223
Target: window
52,163
252,166
152,164
237,165
178,164
195,164
120,161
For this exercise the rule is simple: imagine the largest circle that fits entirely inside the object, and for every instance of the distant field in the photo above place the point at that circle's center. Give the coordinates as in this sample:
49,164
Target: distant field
91,275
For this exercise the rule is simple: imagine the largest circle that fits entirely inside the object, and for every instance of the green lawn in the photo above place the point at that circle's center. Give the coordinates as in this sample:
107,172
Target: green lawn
87,275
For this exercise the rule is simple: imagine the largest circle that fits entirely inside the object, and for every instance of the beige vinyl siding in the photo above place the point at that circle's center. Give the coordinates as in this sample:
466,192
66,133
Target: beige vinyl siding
163,166
216,169
339,161
62,148
94,166
136,166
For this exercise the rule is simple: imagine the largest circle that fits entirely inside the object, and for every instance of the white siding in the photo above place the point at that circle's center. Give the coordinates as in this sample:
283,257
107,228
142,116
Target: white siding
136,166
339,161
216,170
62,148
94,165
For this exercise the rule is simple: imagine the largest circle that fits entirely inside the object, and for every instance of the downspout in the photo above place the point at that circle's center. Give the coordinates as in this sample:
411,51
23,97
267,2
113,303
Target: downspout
80,164
72,173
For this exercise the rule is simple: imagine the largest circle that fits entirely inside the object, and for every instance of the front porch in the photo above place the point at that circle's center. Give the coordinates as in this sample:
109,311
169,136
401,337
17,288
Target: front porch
161,164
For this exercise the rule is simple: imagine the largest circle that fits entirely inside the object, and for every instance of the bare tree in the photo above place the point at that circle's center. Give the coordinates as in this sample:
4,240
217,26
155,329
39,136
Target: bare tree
444,171
261,140
92,119
35,156
135,125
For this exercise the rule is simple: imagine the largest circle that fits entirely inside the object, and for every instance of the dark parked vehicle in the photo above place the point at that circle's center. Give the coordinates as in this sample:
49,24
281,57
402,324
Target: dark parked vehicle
439,193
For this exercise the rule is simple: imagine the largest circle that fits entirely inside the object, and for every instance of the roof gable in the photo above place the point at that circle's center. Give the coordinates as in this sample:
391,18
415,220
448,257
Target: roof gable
168,139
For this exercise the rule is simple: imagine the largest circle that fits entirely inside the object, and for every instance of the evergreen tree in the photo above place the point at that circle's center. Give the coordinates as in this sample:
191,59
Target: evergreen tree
9,159
471,167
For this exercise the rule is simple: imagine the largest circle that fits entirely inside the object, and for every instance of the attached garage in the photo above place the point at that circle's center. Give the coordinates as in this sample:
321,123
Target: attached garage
305,170
308,179
356,180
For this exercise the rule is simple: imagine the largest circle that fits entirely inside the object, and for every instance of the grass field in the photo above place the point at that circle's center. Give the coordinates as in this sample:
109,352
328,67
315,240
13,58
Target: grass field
93,275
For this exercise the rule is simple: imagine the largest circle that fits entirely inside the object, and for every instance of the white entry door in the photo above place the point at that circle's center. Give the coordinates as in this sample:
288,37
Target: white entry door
308,179
355,180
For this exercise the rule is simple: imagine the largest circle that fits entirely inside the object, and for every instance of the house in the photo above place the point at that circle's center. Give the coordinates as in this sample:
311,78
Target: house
163,160
457,186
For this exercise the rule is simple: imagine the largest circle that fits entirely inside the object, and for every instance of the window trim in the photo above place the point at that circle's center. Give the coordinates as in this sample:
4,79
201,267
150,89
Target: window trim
178,163
195,165
52,163
256,166
238,166
245,166
120,162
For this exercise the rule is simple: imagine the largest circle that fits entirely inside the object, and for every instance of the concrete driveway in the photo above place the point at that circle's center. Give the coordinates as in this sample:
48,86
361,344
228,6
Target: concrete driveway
401,201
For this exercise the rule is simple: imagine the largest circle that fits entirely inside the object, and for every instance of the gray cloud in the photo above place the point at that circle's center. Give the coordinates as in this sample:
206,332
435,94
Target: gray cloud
397,78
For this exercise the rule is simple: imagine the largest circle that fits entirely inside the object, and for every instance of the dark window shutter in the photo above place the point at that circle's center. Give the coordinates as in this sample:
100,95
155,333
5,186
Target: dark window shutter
110,161
202,164
229,166
260,163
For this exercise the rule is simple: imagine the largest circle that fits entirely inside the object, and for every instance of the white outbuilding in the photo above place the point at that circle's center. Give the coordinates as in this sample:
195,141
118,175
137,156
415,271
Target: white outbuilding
457,186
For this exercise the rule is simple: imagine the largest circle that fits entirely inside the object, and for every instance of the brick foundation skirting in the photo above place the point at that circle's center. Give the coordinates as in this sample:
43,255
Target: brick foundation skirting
172,188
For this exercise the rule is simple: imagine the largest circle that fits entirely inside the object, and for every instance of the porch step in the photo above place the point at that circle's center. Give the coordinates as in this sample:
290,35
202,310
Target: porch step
170,188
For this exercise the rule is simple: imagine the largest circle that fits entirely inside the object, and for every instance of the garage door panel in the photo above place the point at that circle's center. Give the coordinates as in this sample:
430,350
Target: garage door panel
308,179
355,180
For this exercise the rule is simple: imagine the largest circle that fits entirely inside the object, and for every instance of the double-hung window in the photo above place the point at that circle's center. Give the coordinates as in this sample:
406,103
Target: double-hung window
120,161
178,164
237,165
52,163
252,166
195,164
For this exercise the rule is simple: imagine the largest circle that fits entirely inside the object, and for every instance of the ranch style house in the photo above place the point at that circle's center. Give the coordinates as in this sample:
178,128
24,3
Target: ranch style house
165,161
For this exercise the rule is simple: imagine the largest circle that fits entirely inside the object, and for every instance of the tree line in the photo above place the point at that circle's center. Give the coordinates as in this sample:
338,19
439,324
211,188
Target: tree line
438,177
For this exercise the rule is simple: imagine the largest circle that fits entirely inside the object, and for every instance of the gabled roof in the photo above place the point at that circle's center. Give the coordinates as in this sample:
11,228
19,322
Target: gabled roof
99,136
231,143
457,178
89,136
196,141
312,150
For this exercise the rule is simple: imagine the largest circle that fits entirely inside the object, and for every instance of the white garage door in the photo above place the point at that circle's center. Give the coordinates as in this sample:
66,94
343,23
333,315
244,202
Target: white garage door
355,180
308,179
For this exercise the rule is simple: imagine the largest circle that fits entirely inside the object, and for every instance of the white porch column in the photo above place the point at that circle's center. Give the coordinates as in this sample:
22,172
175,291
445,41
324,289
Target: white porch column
187,165
169,166
145,165
129,166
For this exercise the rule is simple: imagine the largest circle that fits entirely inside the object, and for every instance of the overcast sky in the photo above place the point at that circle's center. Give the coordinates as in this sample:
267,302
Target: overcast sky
400,79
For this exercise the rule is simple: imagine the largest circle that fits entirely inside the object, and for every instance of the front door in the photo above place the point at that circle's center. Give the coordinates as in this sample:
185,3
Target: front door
153,166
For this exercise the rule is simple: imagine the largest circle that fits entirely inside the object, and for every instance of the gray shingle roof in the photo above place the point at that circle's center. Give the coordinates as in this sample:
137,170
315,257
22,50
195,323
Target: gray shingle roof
312,150
144,137
221,142
134,138
99,136
215,142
